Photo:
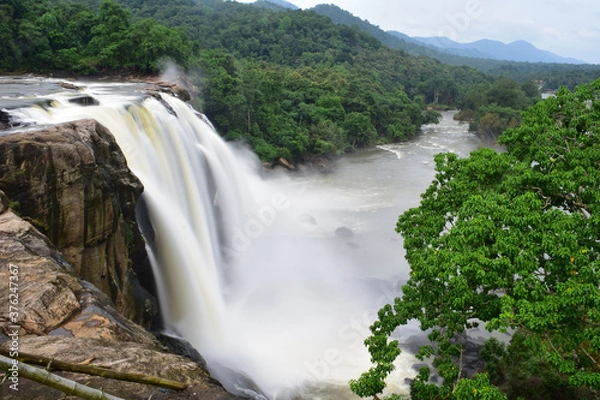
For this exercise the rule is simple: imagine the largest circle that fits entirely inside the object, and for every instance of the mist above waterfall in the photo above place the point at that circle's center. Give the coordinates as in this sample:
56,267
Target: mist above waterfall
249,267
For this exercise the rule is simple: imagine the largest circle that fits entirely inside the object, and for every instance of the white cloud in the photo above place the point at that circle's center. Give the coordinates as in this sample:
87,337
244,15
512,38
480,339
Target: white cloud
551,31
587,32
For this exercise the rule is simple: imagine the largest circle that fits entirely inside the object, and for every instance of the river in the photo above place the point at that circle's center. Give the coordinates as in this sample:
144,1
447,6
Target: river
368,189
329,313
275,278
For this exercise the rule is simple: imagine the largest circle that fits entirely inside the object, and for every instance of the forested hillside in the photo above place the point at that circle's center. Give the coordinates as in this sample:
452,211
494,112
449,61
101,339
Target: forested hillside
42,36
291,83
553,75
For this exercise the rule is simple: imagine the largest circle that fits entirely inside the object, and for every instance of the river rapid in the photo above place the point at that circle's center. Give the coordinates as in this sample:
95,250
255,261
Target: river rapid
367,190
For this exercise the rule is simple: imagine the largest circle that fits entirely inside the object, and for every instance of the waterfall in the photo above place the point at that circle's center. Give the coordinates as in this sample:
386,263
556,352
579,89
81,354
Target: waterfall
277,307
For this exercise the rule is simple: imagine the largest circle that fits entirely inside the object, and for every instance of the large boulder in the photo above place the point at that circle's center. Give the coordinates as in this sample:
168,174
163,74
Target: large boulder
173,89
72,182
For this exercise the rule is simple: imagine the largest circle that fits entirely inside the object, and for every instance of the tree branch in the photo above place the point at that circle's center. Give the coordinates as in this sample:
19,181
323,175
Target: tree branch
588,354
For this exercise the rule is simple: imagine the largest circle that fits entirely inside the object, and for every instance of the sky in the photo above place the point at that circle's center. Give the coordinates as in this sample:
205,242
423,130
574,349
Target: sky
566,28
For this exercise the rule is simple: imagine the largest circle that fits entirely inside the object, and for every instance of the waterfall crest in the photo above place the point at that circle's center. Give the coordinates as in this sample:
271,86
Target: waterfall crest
277,309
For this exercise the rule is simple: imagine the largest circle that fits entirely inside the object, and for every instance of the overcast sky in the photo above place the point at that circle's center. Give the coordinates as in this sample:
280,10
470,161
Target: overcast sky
566,28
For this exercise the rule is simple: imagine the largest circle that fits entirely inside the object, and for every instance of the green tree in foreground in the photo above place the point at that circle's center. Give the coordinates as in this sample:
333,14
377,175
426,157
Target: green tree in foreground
510,240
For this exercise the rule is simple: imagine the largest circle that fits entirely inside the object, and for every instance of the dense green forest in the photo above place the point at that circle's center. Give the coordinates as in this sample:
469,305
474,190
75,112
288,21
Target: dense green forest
491,108
43,36
290,83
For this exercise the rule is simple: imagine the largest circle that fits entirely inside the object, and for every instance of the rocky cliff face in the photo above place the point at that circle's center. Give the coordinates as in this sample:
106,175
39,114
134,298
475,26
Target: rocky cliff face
62,317
72,182
50,298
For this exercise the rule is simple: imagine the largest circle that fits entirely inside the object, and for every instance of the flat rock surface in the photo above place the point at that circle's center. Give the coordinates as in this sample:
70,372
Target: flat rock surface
119,356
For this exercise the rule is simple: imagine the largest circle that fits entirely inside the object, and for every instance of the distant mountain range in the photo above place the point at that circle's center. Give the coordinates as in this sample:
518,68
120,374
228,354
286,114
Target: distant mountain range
491,49
440,48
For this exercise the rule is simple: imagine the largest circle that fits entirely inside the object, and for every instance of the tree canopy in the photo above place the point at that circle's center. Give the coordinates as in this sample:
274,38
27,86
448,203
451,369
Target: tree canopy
491,108
43,36
510,240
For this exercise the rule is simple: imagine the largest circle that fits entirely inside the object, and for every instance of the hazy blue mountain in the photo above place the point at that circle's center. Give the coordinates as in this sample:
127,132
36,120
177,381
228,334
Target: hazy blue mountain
516,51
399,41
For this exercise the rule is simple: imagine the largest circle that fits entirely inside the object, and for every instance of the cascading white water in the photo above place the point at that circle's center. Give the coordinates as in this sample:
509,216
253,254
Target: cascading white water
277,305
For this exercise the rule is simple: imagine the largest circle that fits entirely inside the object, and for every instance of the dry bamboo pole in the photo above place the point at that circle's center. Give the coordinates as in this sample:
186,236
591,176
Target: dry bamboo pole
99,371
47,378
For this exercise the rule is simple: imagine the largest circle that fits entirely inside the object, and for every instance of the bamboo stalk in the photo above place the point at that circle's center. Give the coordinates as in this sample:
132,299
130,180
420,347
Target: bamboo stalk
99,371
47,378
